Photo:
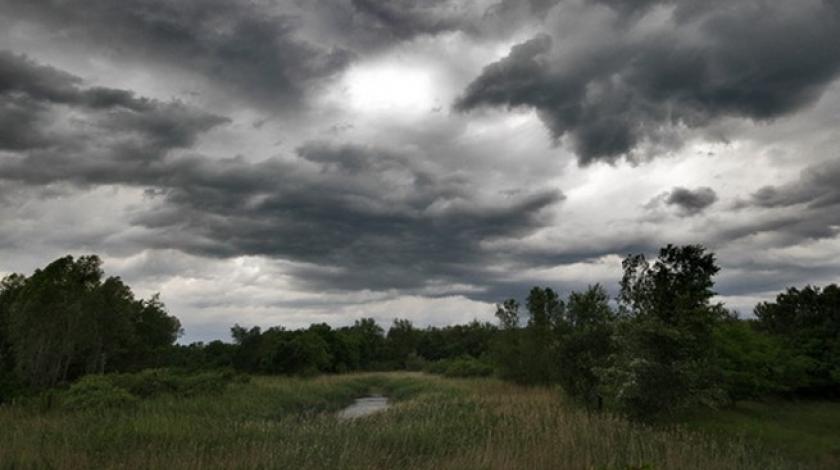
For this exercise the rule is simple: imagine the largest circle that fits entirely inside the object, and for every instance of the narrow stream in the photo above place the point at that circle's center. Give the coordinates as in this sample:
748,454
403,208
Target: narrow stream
364,406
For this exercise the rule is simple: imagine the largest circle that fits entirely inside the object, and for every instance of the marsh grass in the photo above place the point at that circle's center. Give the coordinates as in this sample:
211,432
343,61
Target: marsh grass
291,423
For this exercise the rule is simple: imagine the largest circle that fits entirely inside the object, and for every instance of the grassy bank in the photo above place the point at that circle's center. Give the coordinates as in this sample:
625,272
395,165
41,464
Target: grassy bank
290,423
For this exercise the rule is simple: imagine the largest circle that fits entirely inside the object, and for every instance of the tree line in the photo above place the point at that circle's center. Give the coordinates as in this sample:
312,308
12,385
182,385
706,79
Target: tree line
65,321
660,346
663,345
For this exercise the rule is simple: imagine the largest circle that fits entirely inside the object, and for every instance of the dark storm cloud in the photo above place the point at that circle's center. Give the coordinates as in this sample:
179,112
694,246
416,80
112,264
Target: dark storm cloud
365,25
402,19
358,216
56,129
373,25
691,201
817,187
807,208
247,47
754,59
505,12
795,213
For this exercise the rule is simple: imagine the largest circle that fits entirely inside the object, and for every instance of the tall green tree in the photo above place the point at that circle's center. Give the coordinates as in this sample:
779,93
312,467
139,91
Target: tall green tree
65,321
586,343
10,288
403,339
665,359
370,339
507,347
50,320
545,311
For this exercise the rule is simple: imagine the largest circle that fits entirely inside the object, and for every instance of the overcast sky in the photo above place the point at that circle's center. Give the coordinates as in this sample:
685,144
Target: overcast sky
296,161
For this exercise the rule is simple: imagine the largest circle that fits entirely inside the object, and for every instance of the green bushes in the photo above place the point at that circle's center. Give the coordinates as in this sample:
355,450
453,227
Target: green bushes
96,392
154,382
105,391
464,366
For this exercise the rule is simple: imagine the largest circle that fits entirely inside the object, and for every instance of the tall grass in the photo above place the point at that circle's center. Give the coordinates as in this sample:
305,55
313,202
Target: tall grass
291,423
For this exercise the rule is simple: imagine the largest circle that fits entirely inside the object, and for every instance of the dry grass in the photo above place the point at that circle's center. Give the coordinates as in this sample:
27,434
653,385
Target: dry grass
291,423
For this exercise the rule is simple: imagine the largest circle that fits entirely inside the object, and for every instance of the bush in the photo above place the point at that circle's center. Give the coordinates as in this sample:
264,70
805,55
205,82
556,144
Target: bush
415,362
96,392
153,382
464,366
147,383
112,390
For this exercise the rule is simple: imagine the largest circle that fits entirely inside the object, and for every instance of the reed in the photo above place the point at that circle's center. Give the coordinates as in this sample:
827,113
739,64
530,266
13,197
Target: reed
274,422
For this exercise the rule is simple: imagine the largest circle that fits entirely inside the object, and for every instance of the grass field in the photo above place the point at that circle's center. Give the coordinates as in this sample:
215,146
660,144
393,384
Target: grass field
808,431
436,423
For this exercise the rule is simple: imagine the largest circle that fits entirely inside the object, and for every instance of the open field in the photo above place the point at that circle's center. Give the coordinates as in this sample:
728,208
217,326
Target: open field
276,422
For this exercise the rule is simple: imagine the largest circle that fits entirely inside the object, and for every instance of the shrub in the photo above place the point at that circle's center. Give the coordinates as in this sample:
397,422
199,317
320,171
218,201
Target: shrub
147,383
415,362
464,366
96,392
153,382
468,367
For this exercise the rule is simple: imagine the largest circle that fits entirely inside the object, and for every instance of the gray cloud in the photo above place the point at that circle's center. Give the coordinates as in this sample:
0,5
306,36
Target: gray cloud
360,216
372,25
691,201
706,63
355,228
248,48
817,187
365,25
807,208
402,19
56,129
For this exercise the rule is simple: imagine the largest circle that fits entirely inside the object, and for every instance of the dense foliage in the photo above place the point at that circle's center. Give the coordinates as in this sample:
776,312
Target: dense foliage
65,321
320,348
664,346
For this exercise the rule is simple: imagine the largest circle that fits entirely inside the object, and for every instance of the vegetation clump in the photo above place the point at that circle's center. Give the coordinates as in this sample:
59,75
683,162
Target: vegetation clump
97,392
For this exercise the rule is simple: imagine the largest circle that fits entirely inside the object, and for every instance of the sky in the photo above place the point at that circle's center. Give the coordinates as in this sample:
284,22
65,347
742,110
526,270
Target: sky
279,163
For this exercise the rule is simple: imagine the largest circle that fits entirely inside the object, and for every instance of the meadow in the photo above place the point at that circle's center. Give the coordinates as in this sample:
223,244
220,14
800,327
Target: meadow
435,423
